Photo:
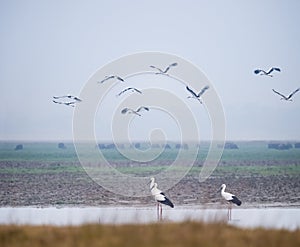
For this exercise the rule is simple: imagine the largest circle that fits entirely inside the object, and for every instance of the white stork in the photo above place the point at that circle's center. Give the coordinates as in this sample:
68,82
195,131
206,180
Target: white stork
268,73
67,96
112,77
160,198
136,112
132,89
195,95
163,71
230,198
287,98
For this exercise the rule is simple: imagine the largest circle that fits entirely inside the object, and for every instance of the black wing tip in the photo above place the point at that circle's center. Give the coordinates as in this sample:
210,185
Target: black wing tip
236,201
277,69
257,71
167,202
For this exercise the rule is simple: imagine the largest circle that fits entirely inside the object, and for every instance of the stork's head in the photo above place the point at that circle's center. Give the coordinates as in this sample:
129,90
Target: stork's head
151,182
223,186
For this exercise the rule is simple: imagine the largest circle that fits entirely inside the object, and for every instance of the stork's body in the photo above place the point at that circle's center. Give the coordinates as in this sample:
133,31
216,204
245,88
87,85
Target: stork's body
160,198
230,198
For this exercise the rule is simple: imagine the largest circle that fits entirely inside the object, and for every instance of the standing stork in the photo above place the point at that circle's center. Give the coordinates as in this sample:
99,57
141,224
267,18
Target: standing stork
195,95
230,198
268,73
166,69
160,198
287,98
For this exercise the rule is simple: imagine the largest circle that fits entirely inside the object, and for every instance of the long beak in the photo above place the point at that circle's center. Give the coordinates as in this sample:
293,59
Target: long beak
219,189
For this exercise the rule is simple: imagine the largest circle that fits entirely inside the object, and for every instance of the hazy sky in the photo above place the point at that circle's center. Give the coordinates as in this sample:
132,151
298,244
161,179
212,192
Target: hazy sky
53,47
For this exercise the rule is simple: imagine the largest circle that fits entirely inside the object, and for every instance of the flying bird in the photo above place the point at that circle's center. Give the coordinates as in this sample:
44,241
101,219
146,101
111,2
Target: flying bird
67,96
136,112
287,98
132,89
160,198
263,72
195,95
230,198
112,77
71,103
166,69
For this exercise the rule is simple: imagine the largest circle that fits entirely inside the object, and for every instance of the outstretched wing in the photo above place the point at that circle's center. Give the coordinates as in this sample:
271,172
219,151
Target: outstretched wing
293,93
191,91
126,89
272,69
171,65
138,91
119,78
142,108
279,93
76,98
203,90
153,67
106,78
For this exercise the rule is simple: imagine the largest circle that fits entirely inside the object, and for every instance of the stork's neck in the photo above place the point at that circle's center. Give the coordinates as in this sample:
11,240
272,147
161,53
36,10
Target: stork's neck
152,184
223,189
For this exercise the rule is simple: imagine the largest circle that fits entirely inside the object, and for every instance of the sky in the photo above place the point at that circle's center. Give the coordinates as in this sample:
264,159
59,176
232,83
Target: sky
53,47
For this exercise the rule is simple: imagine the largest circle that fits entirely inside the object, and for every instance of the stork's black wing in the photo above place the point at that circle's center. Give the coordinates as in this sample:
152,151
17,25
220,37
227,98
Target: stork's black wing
153,67
279,93
203,90
142,108
191,91
272,69
293,93
171,65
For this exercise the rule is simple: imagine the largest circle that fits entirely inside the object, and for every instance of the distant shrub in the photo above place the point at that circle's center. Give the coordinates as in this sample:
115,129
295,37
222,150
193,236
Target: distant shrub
231,145
280,146
19,147
61,145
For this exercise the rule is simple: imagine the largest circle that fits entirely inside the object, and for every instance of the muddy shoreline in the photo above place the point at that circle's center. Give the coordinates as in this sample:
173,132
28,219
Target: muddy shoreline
64,189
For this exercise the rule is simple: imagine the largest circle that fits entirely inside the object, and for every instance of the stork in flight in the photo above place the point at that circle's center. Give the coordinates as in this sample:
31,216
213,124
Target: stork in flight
230,198
159,197
268,73
67,96
166,69
132,89
112,77
195,95
287,98
71,103
136,112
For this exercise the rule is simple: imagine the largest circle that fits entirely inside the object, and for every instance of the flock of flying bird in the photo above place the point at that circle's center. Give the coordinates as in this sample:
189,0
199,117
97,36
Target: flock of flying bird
71,100
269,73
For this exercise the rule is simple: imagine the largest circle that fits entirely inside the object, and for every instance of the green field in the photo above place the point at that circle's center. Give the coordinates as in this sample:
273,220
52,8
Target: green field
252,158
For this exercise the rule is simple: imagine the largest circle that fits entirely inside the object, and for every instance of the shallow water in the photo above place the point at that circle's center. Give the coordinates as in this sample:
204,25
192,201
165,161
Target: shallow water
286,218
